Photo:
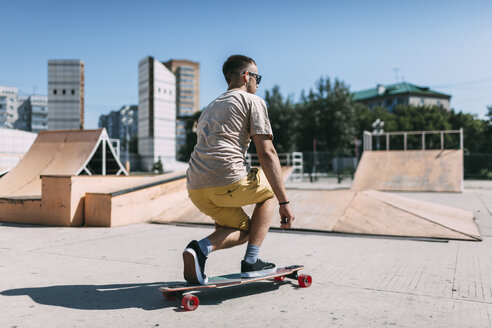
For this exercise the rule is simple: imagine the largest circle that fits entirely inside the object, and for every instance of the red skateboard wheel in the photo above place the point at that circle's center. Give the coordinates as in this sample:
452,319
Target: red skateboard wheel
305,280
190,302
281,278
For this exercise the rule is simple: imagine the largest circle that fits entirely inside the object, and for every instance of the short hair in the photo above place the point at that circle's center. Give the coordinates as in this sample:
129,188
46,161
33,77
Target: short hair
234,65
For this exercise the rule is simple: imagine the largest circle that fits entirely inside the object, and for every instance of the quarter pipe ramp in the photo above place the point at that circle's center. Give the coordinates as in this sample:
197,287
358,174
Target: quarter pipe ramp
410,170
61,152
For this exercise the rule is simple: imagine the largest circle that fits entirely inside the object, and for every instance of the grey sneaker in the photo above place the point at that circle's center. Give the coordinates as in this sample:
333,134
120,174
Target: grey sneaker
259,268
194,264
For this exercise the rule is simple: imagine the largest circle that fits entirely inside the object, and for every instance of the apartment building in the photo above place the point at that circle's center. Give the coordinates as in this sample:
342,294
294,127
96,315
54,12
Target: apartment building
65,94
8,106
23,112
187,74
404,93
117,121
156,113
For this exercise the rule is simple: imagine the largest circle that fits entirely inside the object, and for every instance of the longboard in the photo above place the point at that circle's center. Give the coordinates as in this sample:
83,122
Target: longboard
190,302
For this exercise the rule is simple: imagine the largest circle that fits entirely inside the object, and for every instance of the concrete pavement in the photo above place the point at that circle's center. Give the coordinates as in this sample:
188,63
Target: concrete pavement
108,277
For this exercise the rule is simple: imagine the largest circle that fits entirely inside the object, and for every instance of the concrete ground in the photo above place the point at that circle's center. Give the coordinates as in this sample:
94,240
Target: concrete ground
109,277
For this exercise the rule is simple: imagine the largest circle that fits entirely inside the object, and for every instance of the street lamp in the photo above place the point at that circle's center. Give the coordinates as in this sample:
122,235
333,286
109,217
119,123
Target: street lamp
127,120
377,129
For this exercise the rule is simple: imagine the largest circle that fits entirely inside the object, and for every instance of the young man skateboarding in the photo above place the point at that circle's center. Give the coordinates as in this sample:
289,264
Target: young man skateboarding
220,182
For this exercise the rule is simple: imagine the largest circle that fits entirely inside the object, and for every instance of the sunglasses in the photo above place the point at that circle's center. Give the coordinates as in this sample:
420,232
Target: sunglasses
256,76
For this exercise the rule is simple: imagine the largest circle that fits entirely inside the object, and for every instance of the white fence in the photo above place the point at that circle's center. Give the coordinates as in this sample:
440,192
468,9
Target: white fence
294,159
386,137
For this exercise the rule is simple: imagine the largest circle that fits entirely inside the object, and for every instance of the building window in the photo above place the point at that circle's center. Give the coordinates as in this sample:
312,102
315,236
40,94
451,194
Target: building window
73,91
64,91
54,92
186,86
422,100
186,68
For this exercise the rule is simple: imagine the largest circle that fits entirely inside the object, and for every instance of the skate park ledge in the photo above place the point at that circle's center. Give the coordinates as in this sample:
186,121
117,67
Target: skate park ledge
93,200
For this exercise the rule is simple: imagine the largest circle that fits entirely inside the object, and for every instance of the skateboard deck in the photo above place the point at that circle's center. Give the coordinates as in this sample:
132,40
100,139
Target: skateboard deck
190,302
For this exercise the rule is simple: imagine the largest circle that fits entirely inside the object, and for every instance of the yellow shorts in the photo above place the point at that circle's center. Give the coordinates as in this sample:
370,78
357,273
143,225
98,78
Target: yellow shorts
223,204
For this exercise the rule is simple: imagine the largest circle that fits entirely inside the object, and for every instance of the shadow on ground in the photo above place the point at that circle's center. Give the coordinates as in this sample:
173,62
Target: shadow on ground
122,296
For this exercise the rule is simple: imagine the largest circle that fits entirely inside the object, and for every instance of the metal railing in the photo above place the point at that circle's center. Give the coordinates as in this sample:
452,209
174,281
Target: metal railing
369,135
314,165
286,159
294,159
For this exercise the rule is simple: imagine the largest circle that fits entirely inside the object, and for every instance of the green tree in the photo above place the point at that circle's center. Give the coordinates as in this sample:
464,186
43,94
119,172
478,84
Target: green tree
421,118
474,131
328,115
364,119
282,118
487,133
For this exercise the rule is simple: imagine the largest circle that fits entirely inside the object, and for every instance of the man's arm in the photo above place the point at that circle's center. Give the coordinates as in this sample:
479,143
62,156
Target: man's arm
270,164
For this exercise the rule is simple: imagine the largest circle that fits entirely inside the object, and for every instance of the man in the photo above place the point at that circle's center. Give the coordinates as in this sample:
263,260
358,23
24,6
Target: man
219,182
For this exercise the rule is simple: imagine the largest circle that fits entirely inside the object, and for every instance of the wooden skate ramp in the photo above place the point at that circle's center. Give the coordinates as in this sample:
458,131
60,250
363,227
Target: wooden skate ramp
358,212
410,170
61,152
377,213
316,210
163,200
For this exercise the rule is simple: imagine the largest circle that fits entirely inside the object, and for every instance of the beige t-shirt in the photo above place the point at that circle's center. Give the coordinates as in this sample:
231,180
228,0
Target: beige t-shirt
224,132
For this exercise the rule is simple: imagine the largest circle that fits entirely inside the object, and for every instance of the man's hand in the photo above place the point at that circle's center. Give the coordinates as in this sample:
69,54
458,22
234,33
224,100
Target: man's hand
286,216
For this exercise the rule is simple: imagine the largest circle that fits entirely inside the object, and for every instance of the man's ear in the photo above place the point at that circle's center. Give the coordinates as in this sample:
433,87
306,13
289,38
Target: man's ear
246,74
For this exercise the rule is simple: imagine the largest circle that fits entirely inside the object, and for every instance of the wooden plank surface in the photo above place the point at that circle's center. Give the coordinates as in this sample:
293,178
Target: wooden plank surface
411,170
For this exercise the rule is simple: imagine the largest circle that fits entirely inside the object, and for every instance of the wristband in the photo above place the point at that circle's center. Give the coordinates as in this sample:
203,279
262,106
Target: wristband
284,203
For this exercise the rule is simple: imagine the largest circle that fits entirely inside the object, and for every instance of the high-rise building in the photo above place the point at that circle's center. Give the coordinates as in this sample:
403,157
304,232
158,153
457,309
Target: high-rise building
65,94
23,112
187,94
38,112
122,124
116,123
8,106
32,113
23,119
156,113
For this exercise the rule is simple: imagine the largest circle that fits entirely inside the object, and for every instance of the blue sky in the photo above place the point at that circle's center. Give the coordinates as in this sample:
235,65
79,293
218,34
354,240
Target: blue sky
446,45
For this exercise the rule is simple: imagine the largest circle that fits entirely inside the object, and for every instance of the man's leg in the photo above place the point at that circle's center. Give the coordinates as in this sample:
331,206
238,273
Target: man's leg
224,237
251,266
196,253
261,221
